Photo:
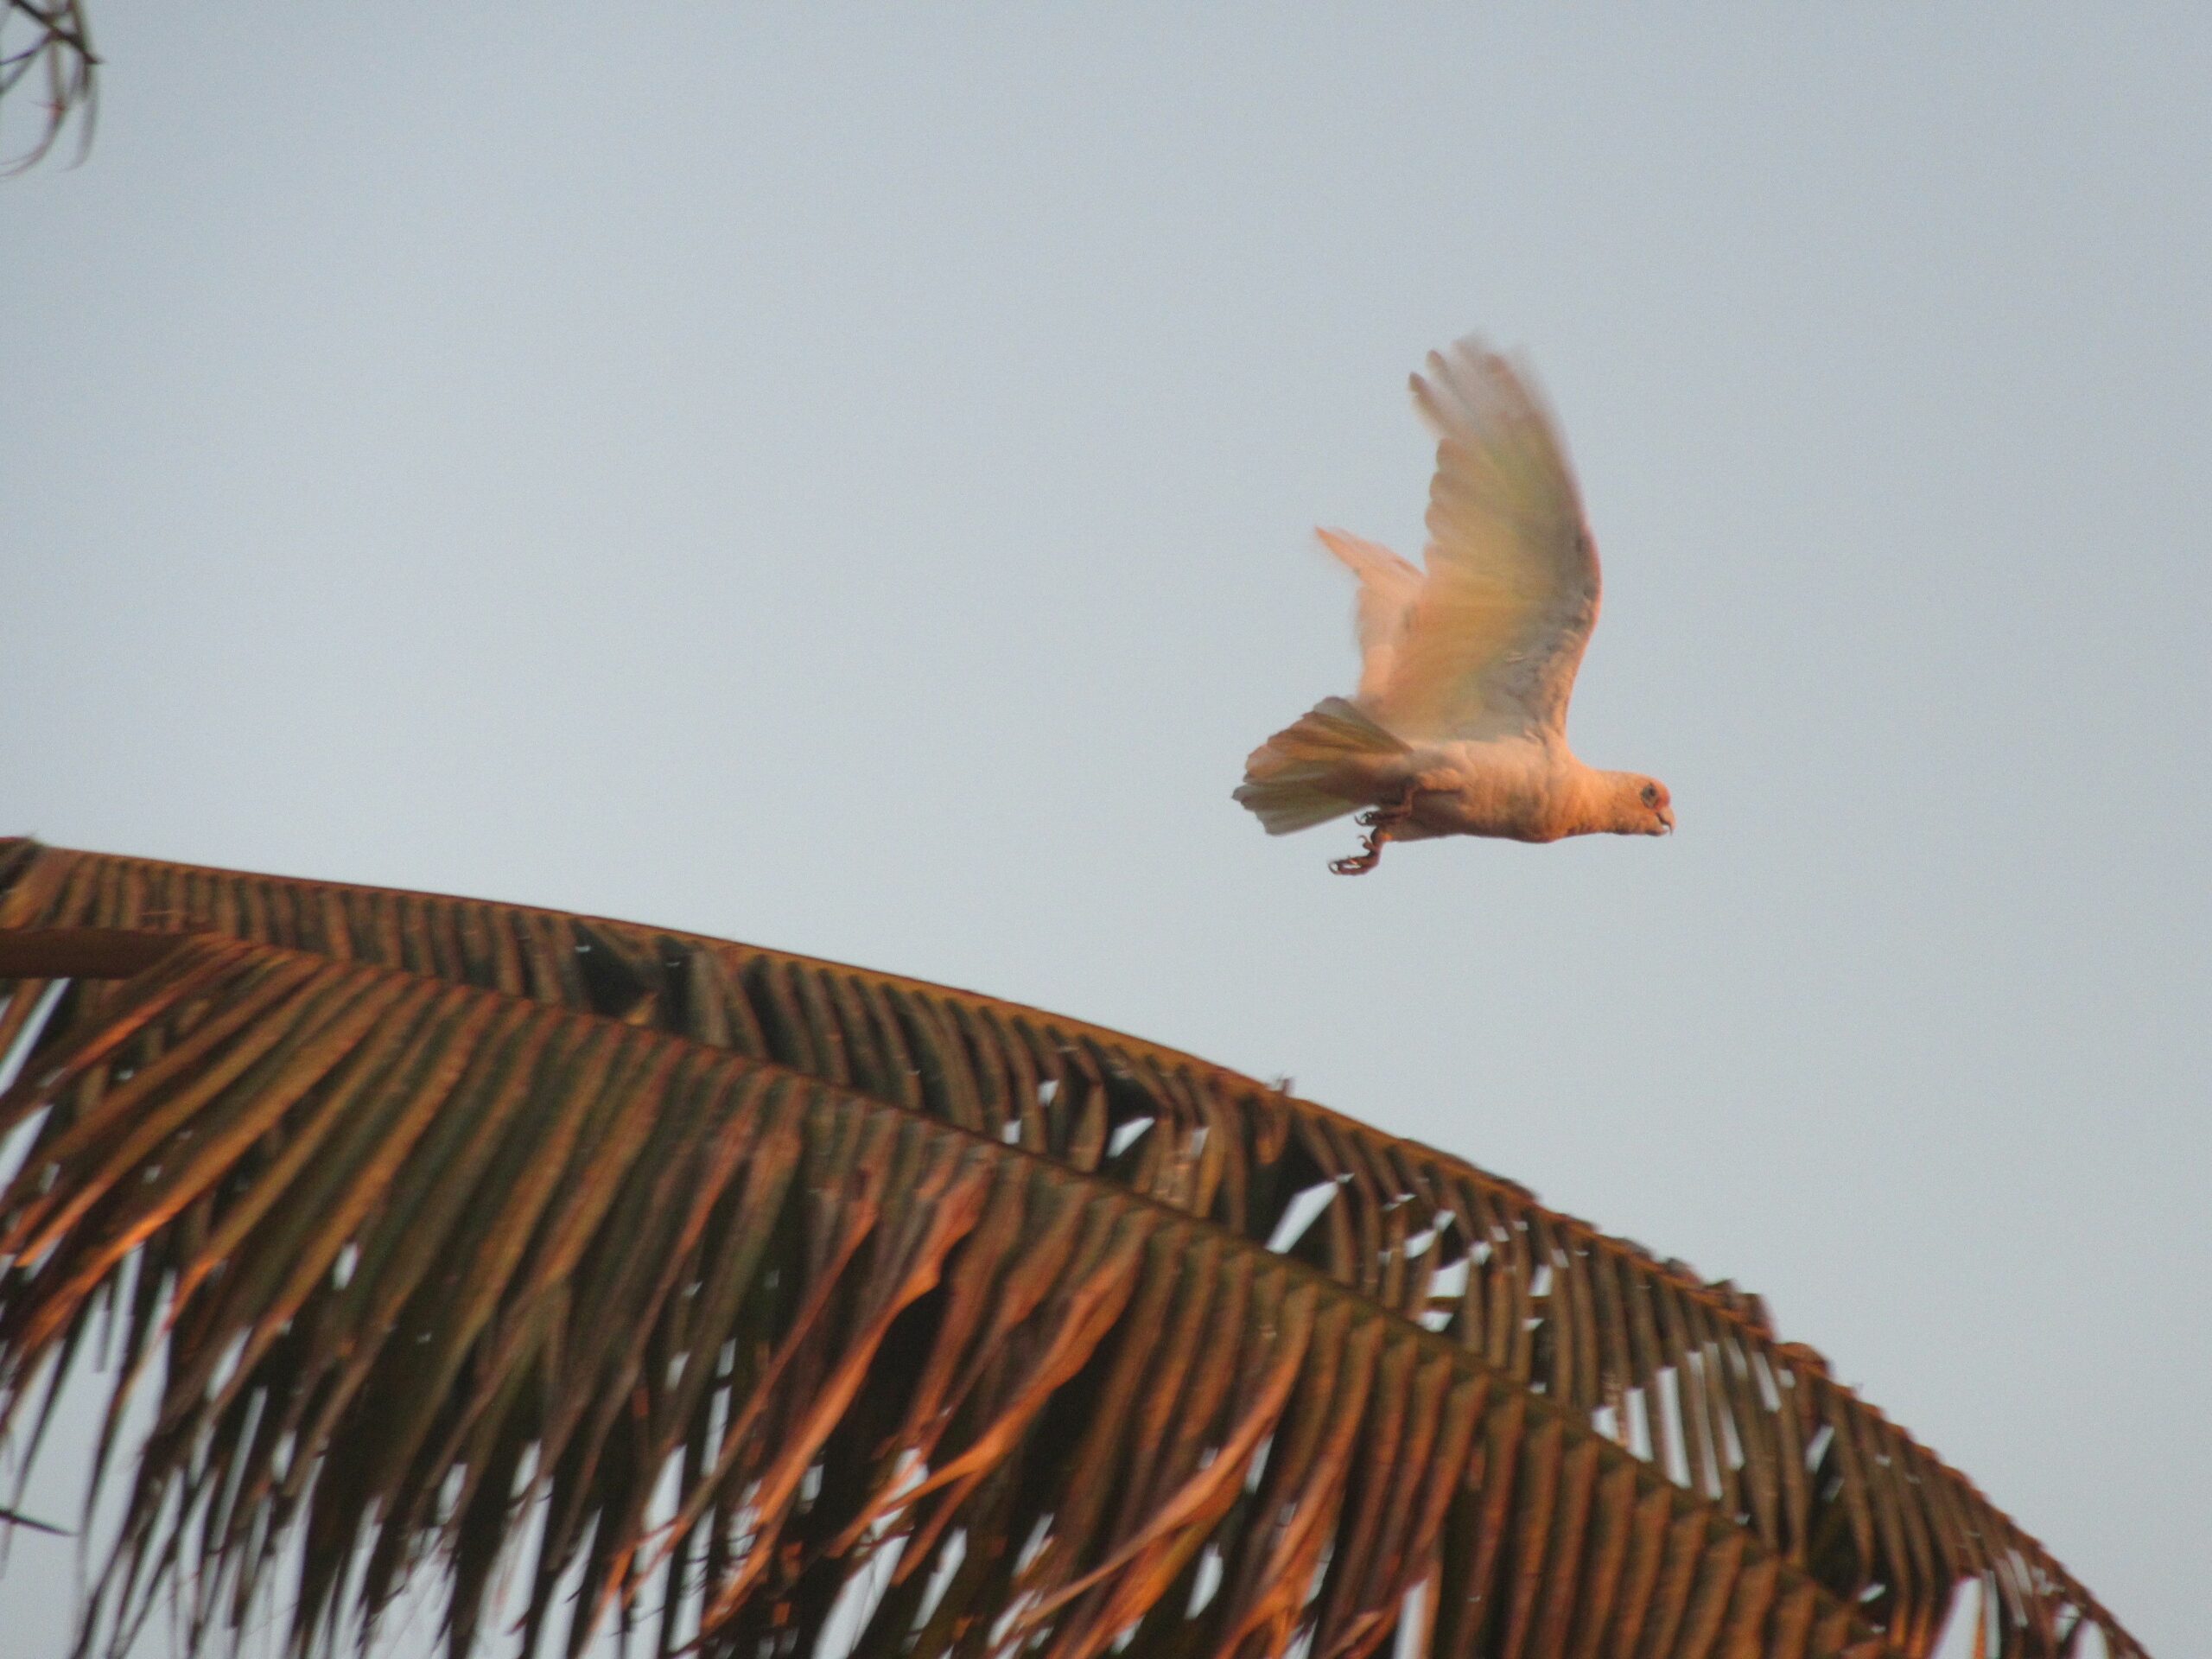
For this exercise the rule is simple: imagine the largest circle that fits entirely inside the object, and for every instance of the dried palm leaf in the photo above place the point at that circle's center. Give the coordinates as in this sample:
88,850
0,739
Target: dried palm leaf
58,53
1689,1374
431,1270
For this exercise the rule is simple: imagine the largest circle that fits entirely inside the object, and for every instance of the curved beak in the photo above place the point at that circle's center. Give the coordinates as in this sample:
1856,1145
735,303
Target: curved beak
1667,817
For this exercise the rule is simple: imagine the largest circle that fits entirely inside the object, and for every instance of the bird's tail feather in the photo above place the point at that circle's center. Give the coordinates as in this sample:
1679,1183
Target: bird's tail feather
1297,779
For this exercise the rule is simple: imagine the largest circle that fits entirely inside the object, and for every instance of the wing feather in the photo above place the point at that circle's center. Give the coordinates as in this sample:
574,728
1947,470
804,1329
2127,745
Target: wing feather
1387,589
1491,642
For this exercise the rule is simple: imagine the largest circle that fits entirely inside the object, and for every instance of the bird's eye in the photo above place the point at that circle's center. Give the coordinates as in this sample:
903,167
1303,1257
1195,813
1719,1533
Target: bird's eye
1651,794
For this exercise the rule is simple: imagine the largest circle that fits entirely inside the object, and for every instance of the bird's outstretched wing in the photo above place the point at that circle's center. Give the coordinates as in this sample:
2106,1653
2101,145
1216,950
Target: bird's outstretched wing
1387,590
1490,644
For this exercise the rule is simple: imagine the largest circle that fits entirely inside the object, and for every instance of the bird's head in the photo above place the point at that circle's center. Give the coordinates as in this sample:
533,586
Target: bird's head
1641,806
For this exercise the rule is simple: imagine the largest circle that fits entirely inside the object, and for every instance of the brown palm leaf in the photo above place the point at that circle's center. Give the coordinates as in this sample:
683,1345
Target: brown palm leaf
54,52
423,1263
1690,1374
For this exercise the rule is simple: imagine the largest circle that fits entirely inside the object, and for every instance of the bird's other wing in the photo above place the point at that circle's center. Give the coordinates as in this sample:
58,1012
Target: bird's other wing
1497,630
1387,588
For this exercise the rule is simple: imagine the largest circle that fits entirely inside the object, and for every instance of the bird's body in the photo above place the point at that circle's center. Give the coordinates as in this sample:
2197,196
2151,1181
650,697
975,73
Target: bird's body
1520,788
1459,725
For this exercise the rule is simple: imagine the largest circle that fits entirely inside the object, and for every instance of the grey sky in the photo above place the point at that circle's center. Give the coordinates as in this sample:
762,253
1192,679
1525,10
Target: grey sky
846,484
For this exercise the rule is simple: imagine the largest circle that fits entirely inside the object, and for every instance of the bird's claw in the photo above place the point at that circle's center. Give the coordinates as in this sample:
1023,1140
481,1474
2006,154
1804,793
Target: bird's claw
1379,822
1386,817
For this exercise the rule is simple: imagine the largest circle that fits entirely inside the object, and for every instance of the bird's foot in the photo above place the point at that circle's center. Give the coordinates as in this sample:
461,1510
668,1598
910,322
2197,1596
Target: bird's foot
1361,862
1390,816
1379,822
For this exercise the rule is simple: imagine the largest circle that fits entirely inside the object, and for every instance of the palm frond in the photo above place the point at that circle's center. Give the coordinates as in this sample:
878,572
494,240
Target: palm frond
57,57
1690,1374
425,1266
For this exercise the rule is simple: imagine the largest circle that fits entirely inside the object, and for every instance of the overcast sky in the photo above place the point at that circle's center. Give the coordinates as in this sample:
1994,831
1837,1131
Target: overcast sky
847,484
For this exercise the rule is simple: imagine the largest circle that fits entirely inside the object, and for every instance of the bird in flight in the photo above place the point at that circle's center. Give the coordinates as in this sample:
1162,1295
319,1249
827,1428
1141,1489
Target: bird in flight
1460,724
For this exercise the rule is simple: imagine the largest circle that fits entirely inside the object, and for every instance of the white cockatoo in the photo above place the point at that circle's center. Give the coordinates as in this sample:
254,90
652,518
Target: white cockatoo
1460,724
